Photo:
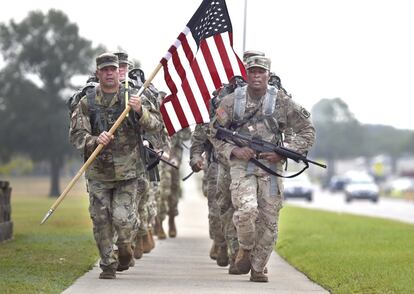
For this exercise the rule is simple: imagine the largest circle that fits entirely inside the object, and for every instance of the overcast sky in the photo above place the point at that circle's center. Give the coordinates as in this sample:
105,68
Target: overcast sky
359,50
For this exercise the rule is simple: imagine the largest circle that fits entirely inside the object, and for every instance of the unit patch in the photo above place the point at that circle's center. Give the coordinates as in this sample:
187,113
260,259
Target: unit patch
304,113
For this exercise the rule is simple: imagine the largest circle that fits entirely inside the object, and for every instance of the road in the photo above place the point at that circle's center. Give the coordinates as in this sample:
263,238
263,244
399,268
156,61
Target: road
395,209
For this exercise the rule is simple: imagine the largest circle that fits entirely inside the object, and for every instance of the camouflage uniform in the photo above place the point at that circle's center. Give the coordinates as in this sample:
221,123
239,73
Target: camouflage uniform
170,179
199,145
112,176
256,195
226,209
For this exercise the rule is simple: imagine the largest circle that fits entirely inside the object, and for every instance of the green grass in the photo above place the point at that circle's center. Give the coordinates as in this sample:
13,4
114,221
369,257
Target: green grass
47,258
346,253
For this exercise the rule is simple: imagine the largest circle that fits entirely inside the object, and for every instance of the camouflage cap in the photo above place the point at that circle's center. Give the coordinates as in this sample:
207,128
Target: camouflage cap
123,58
251,53
106,59
258,61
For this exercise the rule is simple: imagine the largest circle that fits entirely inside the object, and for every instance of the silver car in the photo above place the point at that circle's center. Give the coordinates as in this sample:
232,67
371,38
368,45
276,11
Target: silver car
298,187
361,186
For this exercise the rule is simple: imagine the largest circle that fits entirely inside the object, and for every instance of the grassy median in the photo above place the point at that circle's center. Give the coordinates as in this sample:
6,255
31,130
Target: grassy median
346,253
46,258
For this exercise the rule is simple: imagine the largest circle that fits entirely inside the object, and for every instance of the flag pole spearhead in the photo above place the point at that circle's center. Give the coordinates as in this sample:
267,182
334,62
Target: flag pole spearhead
48,214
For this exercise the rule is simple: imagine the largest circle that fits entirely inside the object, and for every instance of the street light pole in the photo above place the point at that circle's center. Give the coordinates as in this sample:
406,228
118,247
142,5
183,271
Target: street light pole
244,27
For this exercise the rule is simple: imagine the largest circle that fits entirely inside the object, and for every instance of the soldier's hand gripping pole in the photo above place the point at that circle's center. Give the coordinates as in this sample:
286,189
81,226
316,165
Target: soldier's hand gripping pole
99,148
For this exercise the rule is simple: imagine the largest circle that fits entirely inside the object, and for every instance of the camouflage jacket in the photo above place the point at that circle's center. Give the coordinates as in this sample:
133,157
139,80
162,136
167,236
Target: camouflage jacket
294,124
121,158
177,144
200,143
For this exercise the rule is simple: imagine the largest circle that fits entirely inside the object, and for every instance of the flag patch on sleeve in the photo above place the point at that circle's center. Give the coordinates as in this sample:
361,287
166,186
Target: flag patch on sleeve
222,116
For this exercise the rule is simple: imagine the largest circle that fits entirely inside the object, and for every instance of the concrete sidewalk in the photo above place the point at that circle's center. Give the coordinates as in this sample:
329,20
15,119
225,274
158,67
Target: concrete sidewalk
182,264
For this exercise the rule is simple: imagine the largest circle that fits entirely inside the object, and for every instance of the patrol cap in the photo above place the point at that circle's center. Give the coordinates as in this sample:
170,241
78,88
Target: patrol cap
258,61
123,58
106,59
251,53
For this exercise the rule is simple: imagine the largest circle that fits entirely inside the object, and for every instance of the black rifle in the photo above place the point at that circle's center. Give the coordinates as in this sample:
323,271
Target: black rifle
260,146
157,158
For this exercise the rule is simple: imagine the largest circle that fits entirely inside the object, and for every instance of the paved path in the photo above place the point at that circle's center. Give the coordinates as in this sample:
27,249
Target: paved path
182,265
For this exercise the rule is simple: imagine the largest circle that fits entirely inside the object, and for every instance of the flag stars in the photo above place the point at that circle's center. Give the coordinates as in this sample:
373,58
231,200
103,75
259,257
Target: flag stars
210,21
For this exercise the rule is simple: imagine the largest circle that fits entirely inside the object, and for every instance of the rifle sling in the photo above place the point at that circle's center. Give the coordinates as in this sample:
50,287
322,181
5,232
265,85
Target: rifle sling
272,172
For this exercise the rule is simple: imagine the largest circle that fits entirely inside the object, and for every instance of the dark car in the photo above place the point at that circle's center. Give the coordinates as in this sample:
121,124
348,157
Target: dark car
298,187
337,183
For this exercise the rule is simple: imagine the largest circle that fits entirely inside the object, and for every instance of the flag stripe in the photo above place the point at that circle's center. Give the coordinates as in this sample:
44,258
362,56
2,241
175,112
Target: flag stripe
168,116
236,64
182,74
210,63
218,62
196,72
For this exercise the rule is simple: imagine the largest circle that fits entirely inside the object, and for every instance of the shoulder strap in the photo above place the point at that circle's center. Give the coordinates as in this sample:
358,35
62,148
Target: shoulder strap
94,112
239,106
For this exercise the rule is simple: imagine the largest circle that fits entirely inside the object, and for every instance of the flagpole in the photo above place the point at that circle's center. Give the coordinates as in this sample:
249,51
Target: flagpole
244,26
99,148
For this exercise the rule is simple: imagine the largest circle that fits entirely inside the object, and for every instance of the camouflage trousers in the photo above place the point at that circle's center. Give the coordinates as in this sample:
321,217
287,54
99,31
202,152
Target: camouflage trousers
257,199
142,202
215,228
151,203
170,191
226,209
112,207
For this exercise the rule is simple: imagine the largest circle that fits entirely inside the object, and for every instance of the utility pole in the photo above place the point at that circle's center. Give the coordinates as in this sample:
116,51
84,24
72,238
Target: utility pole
244,27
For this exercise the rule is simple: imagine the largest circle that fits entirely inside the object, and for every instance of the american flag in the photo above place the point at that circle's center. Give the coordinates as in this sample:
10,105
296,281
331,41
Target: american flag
200,61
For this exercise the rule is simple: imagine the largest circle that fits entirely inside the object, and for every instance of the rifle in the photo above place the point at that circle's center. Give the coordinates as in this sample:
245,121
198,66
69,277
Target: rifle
158,158
187,176
260,146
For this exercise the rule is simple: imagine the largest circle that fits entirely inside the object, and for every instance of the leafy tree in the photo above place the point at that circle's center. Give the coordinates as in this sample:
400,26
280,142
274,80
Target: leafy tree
41,53
338,132
339,135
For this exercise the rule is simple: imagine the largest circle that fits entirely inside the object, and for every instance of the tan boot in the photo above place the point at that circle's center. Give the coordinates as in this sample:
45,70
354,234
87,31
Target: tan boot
233,268
172,230
107,274
159,229
138,250
151,239
213,251
222,256
146,243
243,261
258,276
124,257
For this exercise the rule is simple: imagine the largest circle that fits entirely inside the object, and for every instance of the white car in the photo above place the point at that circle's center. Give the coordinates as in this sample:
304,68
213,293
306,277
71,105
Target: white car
298,187
361,186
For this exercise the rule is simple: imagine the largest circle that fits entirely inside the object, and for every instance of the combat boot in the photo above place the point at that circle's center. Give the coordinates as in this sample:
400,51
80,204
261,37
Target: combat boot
122,268
138,250
213,251
159,229
172,230
258,276
222,256
108,273
124,256
243,261
233,268
146,243
151,238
